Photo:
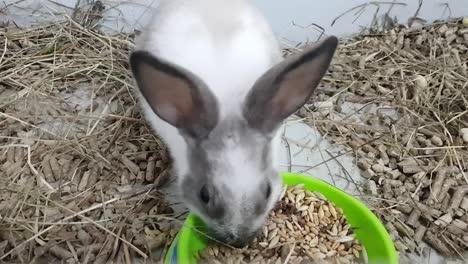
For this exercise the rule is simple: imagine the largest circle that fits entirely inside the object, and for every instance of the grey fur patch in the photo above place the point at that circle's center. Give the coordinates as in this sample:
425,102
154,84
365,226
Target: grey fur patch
203,159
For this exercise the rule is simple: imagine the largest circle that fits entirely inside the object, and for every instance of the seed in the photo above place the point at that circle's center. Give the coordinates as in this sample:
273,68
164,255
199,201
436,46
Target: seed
283,234
320,196
335,245
321,213
215,251
297,191
314,242
357,247
298,204
310,253
273,234
334,230
299,186
344,239
300,196
265,231
210,251
340,211
274,242
319,255
272,226
278,221
333,212
314,250
322,248
355,253
318,229
312,199
283,192
310,213
343,233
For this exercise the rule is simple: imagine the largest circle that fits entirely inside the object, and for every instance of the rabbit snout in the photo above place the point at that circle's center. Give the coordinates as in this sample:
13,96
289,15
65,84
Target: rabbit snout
232,184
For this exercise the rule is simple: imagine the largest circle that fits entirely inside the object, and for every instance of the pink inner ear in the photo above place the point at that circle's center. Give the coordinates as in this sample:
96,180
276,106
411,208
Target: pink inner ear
295,89
169,96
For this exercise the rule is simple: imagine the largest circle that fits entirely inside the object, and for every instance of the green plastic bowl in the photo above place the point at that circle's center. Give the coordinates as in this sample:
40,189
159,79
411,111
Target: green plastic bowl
367,227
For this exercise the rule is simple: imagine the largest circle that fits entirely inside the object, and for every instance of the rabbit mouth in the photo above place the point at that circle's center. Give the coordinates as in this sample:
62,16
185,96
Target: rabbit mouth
232,240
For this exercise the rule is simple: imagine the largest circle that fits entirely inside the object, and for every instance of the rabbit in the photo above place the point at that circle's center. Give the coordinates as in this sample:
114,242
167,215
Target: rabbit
213,84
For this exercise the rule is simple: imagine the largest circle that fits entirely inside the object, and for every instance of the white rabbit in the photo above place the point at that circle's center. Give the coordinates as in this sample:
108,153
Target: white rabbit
214,86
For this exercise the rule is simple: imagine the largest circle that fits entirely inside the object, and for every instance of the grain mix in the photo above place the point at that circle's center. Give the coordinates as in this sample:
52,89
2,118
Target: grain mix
304,227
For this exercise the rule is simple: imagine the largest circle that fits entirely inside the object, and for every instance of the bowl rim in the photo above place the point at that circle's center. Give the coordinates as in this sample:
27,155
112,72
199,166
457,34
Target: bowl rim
187,242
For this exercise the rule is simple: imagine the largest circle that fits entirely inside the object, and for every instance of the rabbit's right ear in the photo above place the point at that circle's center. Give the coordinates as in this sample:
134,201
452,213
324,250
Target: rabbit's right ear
287,86
176,95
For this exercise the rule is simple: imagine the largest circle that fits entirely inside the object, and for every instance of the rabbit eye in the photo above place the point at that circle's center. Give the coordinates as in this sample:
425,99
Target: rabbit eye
204,195
268,191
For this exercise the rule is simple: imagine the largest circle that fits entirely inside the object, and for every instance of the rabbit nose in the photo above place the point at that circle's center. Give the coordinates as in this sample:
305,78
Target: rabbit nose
230,237
239,242
234,241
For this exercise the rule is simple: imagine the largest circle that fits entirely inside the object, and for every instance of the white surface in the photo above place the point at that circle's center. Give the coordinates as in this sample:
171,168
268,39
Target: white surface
305,151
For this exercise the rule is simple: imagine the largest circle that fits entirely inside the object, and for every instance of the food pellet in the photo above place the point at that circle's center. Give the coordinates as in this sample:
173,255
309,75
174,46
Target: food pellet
304,227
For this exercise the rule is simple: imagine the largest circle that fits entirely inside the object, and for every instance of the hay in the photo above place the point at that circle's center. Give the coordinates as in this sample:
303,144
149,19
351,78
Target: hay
411,90
80,170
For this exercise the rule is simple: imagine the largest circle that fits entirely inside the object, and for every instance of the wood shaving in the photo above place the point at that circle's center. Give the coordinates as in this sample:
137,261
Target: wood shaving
410,87
70,189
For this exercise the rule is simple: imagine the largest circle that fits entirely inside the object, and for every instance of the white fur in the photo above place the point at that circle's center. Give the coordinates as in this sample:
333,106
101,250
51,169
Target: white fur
241,174
227,44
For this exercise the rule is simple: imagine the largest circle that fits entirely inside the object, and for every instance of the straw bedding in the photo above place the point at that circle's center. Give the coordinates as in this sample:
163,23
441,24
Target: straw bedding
409,87
81,171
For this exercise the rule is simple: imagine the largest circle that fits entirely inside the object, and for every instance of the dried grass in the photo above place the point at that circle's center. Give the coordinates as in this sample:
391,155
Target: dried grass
80,170
408,93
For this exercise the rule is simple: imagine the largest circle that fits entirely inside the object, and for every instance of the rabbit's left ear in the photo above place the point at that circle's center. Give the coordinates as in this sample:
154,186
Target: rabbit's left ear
286,87
175,95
